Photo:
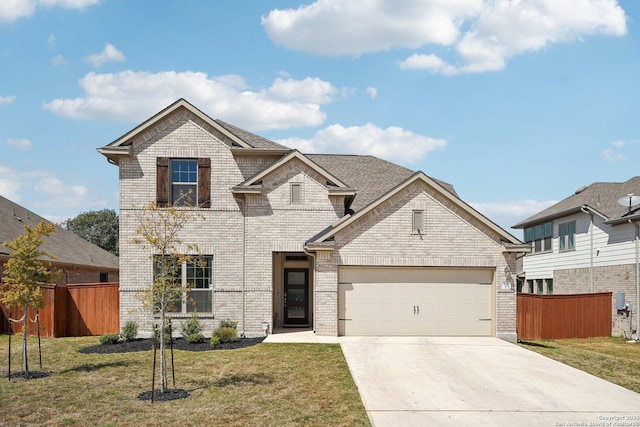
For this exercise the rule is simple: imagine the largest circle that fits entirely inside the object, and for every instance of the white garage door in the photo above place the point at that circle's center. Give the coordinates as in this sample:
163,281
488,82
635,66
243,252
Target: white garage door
415,301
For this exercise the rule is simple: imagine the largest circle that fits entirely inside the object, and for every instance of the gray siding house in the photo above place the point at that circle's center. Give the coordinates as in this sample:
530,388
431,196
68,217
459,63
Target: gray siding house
341,244
586,243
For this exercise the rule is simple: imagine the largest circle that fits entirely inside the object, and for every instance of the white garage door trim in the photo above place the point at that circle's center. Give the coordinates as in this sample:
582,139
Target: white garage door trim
416,301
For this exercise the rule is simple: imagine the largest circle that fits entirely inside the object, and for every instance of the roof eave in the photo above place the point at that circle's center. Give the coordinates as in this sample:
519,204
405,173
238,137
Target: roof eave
551,217
624,219
113,154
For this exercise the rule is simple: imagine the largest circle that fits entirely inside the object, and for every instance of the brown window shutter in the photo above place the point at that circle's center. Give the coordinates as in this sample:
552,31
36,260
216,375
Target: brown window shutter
162,182
204,182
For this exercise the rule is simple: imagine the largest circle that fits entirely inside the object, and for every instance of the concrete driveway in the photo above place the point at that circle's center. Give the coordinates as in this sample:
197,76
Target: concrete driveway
478,381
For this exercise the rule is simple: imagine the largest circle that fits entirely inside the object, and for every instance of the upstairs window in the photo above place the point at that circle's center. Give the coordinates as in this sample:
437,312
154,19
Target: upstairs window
539,236
566,235
185,182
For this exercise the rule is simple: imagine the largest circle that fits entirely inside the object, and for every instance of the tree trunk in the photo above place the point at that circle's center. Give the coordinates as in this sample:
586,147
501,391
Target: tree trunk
163,360
25,331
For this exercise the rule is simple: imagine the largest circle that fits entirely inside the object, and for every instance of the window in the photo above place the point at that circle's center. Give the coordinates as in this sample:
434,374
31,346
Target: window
539,286
296,193
566,235
549,286
104,277
539,236
530,285
418,222
189,178
184,182
198,275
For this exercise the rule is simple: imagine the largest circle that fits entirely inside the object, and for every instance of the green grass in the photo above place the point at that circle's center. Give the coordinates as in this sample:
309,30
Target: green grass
267,384
609,358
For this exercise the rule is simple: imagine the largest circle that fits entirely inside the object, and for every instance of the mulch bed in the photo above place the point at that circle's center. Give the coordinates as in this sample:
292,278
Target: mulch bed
178,344
33,375
170,394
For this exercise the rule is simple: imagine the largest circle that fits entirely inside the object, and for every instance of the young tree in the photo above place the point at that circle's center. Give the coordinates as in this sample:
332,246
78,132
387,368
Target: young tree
25,275
159,231
98,227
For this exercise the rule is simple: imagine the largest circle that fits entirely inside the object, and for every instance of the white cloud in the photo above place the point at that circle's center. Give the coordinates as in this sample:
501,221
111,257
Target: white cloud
343,27
7,99
484,34
51,40
372,92
58,60
616,150
108,54
20,144
134,96
393,143
507,214
10,183
12,10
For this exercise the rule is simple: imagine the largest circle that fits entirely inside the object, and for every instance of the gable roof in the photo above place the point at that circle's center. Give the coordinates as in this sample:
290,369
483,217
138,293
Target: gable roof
234,136
333,183
319,241
599,197
371,176
66,246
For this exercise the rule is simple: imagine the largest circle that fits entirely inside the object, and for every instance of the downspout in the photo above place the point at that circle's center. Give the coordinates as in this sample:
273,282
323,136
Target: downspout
244,263
637,226
313,256
582,208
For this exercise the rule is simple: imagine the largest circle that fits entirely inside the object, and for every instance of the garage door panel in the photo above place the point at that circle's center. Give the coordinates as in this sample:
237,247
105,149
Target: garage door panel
456,309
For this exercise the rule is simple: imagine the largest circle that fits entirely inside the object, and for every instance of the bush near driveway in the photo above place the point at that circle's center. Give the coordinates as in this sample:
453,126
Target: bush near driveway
609,358
266,384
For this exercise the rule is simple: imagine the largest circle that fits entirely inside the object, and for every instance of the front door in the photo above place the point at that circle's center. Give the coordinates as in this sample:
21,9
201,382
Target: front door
296,297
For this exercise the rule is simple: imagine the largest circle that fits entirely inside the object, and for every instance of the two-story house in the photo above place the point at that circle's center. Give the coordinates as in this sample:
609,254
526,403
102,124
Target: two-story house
586,243
341,244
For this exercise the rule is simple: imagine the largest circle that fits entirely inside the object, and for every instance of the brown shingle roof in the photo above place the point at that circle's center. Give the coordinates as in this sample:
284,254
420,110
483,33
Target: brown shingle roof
370,176
600,196
67,247
253,140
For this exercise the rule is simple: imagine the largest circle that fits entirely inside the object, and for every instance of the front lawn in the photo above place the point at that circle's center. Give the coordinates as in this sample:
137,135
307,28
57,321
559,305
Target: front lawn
266,384
610,358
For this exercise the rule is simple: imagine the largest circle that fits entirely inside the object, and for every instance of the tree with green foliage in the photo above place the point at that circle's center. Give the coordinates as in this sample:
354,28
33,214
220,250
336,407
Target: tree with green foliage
159,232
98,227
25,274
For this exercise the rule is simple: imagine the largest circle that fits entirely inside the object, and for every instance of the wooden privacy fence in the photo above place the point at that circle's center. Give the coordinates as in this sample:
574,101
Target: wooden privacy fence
72,310
564,316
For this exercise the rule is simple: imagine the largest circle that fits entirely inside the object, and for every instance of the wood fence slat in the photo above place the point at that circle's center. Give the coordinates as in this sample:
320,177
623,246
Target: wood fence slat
563,316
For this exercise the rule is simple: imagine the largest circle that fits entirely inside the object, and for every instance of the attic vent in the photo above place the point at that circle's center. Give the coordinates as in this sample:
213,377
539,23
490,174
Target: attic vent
235,144
581,189
331,184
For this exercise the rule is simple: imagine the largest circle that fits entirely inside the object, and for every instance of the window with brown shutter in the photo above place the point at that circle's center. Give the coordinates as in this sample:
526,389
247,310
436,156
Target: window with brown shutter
183,181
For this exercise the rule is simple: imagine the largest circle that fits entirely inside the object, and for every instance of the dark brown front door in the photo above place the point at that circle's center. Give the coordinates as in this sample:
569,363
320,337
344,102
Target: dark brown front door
296,297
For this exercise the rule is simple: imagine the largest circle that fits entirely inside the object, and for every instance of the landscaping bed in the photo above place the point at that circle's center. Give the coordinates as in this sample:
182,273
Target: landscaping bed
178,344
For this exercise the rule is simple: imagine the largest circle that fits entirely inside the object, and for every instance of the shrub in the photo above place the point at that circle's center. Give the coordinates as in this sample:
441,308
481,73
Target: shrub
226,334
110,339
130,331
196,338
191,326
214,341
229,324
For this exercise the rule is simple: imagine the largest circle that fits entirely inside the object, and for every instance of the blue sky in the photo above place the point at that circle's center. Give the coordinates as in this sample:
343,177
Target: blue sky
515,103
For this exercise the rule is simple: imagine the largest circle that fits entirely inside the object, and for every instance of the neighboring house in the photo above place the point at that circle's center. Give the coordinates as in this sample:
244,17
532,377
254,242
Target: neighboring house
79,260
342,244
585,243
